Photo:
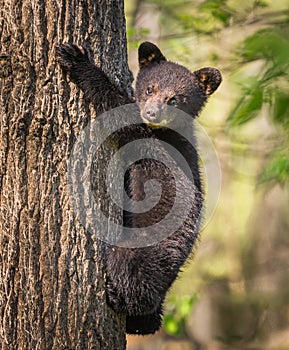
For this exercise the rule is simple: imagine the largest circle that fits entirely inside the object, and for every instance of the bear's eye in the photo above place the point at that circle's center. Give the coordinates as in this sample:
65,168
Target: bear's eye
149,91
172,102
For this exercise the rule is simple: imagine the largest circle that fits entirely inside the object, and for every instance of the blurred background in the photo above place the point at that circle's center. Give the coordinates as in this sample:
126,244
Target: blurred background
234,293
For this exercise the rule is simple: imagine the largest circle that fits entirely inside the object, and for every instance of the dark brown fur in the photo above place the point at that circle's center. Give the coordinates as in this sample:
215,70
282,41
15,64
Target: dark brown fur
139,278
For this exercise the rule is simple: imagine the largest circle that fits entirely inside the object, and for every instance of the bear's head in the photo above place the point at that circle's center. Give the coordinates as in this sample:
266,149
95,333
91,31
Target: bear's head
161,84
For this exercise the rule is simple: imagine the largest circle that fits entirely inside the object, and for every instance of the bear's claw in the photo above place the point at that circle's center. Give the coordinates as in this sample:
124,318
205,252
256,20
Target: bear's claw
70,55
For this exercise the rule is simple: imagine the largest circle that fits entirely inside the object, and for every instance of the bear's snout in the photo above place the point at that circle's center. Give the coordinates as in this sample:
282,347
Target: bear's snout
154,112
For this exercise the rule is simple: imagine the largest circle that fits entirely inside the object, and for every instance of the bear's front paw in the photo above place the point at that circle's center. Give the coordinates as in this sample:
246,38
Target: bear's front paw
69,56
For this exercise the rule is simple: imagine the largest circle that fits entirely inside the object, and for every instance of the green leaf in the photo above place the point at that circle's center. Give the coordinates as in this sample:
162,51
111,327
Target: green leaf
186,305
281,107
218,9
248,107
268,44
171,325
177,312
277,169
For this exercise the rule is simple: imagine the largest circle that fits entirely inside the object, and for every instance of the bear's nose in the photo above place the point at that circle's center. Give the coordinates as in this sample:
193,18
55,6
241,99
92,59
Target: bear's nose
153,113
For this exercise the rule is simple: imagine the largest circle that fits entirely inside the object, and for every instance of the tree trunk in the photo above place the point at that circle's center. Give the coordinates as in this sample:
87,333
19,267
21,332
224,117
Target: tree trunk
51,278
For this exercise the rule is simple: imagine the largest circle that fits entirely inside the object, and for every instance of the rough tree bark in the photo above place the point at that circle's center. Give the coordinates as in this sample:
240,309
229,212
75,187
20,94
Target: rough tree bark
51,279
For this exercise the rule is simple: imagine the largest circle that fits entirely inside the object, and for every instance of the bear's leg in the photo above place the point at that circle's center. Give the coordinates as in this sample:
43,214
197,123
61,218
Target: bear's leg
97,88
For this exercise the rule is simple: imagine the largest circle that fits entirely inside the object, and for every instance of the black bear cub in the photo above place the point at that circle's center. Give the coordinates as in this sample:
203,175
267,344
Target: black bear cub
139,278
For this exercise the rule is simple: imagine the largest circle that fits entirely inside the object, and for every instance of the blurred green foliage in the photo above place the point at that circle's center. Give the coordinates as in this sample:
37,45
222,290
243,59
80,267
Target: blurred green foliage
277,168
178,310
268,88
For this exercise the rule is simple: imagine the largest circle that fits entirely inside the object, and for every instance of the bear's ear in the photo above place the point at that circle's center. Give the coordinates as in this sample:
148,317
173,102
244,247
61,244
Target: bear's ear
149,53
209,78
